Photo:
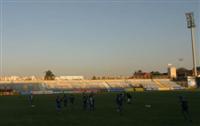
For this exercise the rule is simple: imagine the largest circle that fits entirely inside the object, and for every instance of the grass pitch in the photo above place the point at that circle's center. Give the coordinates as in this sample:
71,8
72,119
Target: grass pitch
164,111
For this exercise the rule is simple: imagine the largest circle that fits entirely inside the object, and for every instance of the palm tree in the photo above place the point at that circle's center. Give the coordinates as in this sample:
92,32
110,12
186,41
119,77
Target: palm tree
49,75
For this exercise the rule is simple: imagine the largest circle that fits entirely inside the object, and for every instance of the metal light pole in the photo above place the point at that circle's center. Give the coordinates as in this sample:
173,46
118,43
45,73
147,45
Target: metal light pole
191,26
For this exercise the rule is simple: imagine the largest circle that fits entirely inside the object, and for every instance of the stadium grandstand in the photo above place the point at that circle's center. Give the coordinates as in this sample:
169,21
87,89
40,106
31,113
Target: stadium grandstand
78,86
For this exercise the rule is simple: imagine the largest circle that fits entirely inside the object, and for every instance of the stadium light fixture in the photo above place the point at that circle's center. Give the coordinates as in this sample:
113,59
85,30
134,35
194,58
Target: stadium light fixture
191,26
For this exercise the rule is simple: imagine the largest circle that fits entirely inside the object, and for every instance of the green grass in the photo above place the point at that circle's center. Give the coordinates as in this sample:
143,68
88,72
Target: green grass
165,111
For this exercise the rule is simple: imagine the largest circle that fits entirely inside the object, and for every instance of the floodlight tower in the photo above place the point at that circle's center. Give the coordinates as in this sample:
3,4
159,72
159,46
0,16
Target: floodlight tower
191,26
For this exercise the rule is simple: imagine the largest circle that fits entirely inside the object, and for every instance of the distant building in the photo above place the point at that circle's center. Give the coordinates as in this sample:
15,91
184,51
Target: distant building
69,78
18,78
172,72
140,74
183,72
31,78
10,78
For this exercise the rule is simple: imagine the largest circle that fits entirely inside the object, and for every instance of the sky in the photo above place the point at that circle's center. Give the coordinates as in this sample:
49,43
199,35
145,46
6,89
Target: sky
91,37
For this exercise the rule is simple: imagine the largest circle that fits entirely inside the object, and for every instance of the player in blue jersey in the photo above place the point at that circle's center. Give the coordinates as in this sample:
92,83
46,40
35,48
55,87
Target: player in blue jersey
119,101
91,102
30,99
85,99
58,103
185,108
65,100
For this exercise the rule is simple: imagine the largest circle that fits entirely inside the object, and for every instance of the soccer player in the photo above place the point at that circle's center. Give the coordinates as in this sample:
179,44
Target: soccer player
72,98
65,100
91,102
58,103
85,98
129,98
119,101
30,99
185,108
124,96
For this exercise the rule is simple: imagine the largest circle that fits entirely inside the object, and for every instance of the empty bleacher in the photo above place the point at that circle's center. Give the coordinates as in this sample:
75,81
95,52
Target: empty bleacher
148,84
170,84
84,85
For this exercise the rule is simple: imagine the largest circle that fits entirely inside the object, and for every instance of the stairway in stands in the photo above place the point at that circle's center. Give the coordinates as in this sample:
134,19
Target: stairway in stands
162,87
